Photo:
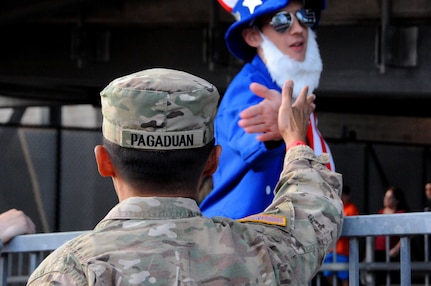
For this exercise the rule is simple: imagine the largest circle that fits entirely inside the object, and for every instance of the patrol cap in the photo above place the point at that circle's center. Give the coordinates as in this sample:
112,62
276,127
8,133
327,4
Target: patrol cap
159,109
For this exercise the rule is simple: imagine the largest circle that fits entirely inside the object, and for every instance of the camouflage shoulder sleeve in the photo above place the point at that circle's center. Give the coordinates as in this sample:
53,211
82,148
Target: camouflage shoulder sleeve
60,268
308,194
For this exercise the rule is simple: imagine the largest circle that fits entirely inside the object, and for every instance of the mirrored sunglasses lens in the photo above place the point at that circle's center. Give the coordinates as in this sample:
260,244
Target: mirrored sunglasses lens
281,22
306,17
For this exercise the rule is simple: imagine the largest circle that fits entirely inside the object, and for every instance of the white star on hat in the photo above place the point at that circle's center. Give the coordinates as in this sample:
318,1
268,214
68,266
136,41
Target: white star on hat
251,4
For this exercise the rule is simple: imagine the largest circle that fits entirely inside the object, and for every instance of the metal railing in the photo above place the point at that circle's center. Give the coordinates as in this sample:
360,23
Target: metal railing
405,226
22,254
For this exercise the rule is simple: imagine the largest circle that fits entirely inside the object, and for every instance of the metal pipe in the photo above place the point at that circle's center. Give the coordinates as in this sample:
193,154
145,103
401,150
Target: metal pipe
385,17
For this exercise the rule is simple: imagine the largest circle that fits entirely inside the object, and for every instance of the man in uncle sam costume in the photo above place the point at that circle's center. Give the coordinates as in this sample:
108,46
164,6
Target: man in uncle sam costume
158,146
277,42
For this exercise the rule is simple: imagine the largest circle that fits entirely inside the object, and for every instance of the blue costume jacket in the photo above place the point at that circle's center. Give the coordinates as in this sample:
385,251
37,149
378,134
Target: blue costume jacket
248,171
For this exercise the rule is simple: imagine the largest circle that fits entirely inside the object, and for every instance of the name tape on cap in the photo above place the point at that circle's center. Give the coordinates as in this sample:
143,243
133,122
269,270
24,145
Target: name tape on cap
162,140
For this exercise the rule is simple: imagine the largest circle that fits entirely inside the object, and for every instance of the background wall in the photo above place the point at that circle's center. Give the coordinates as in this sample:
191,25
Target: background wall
55,57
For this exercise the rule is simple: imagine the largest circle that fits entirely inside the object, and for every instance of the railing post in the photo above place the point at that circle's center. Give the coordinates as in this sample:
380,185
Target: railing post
426,255
353,261
369,257
3,269
405,261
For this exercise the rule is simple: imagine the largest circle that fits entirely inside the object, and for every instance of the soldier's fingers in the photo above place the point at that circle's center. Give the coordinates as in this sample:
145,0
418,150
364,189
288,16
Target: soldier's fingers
286,98
302,97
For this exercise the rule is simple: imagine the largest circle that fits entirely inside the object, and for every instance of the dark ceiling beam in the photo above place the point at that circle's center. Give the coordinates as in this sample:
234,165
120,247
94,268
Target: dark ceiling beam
44,94
173,12
36,9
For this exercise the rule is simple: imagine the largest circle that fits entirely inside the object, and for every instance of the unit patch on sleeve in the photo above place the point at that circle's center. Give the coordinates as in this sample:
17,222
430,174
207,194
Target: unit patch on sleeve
265,218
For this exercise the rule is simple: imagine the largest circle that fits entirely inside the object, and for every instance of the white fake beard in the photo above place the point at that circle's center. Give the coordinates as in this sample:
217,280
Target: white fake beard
281,67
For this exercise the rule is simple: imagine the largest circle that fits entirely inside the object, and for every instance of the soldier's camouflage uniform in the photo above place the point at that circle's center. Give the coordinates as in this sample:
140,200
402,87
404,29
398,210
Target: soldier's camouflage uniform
166,241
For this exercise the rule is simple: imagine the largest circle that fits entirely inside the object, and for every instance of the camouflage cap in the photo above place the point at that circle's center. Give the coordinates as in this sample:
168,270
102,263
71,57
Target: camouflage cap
159,109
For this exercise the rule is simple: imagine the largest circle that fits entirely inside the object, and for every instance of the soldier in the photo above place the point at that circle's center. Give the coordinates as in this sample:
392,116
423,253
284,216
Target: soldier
158,146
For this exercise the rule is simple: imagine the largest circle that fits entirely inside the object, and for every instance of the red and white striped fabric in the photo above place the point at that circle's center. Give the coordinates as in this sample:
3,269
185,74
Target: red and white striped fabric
228,4
317,142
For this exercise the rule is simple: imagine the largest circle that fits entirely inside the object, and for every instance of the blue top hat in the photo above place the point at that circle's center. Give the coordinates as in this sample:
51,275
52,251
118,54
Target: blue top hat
245,11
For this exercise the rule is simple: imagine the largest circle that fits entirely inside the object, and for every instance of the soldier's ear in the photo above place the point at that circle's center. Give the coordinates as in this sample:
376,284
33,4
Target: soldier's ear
104,163
212,162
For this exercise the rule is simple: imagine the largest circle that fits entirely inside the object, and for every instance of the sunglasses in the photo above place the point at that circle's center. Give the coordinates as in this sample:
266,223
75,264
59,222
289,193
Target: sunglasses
283,20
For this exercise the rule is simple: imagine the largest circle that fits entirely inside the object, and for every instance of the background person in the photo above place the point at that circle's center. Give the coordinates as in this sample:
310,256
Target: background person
393,202
158,145
342,247
426,240
276,41
427,197
15,222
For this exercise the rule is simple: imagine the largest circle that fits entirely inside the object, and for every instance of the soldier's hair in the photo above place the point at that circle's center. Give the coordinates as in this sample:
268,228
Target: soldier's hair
173,170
